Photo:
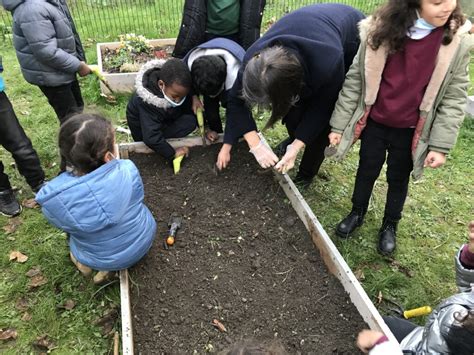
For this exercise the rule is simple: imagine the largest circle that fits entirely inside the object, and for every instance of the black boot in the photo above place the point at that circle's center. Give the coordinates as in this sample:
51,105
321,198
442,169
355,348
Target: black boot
9,206
280,149
302,181
387,237
350,223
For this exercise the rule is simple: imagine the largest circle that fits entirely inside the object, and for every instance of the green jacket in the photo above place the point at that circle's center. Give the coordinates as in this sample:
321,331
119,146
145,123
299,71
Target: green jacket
441,110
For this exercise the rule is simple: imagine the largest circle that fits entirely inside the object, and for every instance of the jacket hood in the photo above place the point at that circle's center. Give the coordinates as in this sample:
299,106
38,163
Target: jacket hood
88,203
146,84
10,5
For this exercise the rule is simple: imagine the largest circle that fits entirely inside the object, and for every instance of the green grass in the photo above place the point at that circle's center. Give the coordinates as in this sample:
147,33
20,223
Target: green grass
433,227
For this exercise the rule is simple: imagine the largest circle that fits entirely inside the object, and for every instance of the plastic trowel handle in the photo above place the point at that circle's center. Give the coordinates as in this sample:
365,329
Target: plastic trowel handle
420,311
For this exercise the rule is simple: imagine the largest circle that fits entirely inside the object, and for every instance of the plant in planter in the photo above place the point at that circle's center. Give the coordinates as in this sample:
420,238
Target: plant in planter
132,52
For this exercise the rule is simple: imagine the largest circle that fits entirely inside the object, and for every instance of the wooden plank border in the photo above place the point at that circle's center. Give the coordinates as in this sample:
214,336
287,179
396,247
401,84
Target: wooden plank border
330,254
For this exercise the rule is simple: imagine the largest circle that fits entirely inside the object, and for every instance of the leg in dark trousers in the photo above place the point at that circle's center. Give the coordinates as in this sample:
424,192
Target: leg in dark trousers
399,167
4,181
372,156
66,100
181,127
211,113
399,327
313,155
14,140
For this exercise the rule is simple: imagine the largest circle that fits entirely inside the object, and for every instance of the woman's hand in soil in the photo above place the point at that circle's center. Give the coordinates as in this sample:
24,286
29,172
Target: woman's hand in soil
287,162
181,151
264,155
223,158
334,138
84,69
197,104
367,339
435,159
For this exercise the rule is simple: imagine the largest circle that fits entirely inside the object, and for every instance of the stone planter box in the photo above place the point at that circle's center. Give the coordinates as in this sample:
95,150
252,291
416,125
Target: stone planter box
123,82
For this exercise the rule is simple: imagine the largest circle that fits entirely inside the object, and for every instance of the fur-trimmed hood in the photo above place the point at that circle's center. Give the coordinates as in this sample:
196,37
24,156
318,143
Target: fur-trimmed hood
146,84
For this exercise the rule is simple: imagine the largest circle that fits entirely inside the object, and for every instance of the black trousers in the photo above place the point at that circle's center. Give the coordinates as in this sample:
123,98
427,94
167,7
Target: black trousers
14,139
66,100
313,155
380,143
399,327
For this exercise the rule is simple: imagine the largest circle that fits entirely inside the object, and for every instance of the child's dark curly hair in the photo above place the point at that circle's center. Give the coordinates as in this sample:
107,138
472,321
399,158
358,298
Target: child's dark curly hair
175,71
395,18
208,74
84,140
460,338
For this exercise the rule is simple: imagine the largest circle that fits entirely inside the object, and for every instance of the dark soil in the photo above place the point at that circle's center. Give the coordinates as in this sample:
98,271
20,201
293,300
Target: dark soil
113,59
242,256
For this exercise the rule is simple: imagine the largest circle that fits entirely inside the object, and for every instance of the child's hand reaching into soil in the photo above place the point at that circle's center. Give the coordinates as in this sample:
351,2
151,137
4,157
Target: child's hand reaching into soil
181,151
211,135
367,339
223,158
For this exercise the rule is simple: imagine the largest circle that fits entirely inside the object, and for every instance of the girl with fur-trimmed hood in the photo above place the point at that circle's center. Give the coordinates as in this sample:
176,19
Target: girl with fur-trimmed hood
404,96
161,107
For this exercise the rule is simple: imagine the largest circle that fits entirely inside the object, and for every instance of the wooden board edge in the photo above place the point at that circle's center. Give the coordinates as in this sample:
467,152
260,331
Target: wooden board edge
127,328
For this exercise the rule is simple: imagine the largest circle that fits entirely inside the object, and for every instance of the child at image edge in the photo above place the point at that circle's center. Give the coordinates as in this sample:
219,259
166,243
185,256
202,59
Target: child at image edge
404,95
98,201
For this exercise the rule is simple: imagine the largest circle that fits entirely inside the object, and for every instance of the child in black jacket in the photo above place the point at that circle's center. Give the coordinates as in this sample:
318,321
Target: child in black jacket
161,107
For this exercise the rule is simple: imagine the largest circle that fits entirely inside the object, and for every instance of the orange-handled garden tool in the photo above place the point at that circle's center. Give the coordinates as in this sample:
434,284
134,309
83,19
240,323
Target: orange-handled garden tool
174,224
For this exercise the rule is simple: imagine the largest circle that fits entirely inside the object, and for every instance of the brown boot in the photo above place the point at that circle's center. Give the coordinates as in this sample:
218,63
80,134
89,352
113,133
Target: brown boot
103,276
85,270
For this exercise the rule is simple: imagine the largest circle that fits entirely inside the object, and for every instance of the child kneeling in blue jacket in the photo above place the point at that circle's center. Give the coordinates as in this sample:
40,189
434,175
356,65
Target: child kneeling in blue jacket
98,201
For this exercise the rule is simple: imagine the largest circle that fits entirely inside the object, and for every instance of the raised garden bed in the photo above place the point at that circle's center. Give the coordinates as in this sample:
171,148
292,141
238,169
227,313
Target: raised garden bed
243,257
125,82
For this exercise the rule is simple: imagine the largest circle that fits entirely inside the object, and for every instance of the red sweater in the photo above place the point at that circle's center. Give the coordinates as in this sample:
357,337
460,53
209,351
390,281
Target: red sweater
404,80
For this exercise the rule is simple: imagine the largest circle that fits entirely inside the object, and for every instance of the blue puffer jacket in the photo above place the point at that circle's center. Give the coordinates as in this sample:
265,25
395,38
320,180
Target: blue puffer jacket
46,41
110,227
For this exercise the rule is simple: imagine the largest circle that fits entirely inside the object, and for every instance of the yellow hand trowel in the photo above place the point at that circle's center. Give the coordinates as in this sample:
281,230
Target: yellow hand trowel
200,119
95,70
177,164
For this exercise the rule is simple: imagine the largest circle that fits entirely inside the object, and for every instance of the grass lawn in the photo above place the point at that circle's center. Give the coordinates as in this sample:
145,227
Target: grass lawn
434,225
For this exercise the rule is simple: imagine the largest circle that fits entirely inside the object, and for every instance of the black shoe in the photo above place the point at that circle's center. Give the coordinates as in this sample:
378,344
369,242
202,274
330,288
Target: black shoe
38,187
9,206
350,223
302,181
280,149
387,237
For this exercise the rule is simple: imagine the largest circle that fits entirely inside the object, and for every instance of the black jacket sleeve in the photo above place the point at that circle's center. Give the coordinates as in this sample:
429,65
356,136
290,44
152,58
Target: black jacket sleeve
239,119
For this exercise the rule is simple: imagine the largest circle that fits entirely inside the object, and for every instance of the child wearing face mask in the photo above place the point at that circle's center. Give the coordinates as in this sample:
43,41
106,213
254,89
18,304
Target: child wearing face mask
404,96
161,107
98,200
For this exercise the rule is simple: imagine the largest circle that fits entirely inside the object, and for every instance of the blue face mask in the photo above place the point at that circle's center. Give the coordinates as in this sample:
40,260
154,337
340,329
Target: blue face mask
421,23
170,100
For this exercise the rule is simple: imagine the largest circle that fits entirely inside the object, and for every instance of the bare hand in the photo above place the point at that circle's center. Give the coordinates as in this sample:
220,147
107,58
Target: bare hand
181,151
334,138
223,158
471,237
367,339
212,135
434,159
84,69
197,104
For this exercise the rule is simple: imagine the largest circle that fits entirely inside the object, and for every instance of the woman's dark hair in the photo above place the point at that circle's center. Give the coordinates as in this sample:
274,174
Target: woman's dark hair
460,338
273,79
251,347
208,74
175,71
394,19
84,140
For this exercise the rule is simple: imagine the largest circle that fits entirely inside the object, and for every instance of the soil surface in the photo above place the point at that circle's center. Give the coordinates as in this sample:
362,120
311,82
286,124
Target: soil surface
242,257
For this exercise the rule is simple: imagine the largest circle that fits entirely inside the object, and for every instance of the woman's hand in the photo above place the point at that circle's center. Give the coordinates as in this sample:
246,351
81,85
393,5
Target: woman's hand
334,138
197,104
287,162
223,158
435,159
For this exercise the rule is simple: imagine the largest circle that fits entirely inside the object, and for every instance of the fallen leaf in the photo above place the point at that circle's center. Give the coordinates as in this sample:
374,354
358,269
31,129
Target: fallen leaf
19,257
22,304
12,225
35,270
68,305
397,266
30,203
44,343
359,274
8,334
11,238
107,321
379,297
26,317
219,325
37,281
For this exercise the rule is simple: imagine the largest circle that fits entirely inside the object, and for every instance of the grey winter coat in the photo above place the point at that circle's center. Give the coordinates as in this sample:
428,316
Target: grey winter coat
46,41
430,338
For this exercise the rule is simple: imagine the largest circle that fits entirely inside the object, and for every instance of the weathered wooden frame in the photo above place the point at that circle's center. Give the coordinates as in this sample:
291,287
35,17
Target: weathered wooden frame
330,254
